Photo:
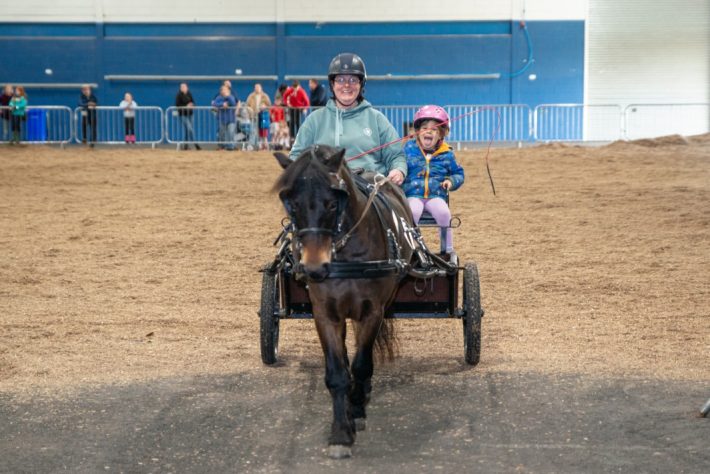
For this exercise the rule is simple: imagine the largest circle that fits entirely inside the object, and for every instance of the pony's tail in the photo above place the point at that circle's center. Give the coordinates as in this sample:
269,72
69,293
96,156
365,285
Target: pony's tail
386,343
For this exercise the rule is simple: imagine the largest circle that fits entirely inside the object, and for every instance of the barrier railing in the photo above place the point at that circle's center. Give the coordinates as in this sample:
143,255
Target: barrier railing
577,122
230,127
41,125
483,123
655,120
471,123
400,116
238,127
114,125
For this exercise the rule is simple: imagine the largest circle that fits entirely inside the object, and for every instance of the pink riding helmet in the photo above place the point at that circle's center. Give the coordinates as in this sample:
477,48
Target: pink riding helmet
431,112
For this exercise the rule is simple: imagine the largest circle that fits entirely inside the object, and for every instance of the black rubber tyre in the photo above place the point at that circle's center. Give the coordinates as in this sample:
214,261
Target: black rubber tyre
269,319
472,314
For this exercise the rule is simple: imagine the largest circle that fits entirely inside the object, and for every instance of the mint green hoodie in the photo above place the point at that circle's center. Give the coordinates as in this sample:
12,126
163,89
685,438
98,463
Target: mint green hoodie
359,129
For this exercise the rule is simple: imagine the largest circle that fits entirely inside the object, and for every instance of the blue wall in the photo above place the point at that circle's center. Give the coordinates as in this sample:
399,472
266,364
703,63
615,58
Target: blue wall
87,52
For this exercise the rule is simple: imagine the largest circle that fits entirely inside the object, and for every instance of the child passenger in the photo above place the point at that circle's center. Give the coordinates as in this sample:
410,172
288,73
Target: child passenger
433,170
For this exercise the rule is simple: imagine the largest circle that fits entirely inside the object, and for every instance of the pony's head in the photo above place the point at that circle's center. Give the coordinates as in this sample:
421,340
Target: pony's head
315,196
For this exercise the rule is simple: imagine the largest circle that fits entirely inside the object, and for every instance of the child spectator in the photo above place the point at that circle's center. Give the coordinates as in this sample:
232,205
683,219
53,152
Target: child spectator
18,109
279,128
87,104
129,117
433,170
184,100
264,121
225,104
5,114
244,125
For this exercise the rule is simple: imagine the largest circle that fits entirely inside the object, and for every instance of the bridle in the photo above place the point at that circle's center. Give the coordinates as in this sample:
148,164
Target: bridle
339,186
341,191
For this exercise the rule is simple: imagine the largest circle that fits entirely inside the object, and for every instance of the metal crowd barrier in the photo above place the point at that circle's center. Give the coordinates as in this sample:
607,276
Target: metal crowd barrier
107,125
471,123
233,127
483,123
400,116
577,122
655,120
47,124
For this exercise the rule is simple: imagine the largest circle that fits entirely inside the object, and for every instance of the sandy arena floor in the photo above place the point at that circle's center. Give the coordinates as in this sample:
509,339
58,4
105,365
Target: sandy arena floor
124,265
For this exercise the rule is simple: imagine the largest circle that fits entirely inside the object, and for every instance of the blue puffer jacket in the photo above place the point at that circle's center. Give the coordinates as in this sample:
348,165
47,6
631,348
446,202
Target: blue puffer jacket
425,176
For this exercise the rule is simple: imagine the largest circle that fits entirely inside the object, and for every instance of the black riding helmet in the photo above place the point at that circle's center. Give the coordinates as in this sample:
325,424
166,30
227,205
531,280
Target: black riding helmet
348,63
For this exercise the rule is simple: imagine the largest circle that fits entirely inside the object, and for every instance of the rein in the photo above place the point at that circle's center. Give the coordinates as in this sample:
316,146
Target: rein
448,122
380,180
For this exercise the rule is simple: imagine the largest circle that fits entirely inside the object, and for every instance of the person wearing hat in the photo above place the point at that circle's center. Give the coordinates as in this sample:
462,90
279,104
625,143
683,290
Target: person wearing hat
349,121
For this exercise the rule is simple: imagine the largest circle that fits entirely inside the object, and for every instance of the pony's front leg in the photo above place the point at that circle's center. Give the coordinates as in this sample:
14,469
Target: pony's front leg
363,368
337,379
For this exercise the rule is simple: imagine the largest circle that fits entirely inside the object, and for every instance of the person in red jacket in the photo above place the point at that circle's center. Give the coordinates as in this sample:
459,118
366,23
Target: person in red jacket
296,99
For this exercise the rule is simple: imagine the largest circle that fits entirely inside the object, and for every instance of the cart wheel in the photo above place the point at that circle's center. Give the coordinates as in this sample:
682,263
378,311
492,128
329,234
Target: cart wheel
269,318
472,314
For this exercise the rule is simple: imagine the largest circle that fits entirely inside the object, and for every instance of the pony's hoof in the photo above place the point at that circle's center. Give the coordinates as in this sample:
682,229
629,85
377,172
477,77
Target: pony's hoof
339,451
360,424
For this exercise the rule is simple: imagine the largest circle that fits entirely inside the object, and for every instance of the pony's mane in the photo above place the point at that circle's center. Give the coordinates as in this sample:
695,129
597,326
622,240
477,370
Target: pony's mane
307,164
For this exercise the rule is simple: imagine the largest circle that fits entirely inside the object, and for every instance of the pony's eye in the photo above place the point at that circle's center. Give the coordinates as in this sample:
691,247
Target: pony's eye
333,206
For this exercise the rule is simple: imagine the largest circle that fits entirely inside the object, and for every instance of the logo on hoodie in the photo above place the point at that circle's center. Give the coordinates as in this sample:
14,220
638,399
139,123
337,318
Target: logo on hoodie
367,131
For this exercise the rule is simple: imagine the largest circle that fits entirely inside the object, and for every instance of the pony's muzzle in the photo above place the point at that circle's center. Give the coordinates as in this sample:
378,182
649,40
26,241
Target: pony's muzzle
315,257
314,273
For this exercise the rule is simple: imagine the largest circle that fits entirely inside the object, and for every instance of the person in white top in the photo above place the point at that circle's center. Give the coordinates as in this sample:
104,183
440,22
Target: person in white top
129,117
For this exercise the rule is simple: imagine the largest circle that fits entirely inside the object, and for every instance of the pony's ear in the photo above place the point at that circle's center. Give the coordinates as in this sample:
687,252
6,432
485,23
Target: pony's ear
283,159
334,161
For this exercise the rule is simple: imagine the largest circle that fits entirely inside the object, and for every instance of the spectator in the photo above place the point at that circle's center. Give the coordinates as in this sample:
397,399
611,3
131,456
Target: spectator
5,114
350,121
319,97
185,102
128,105
225,103
256,98
279,127
297,100
264,121
18,109
244,125
226,83
87,104
280,93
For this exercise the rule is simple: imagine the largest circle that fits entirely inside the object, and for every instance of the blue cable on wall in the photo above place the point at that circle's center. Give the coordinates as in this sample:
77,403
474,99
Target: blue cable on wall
531,59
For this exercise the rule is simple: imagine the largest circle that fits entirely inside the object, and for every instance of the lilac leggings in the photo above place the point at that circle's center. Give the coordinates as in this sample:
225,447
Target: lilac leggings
439,210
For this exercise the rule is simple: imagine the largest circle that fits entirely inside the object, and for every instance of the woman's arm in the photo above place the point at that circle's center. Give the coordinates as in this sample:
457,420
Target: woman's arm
392,154
304,138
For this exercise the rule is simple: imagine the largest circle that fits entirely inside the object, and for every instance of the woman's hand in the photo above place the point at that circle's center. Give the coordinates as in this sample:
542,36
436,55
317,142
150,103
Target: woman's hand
446,184
396,176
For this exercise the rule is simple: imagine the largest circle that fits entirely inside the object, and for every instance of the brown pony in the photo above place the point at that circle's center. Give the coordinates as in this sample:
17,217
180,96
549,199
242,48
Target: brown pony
349,246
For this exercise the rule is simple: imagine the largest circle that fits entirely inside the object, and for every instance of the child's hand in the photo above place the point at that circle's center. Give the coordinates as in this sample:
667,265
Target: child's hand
447,184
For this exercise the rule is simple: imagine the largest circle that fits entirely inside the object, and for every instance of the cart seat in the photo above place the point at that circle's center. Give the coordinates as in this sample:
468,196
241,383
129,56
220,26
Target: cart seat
427,220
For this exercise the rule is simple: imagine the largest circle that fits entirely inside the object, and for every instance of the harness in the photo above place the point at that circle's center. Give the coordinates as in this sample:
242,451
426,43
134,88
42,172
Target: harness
393,265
